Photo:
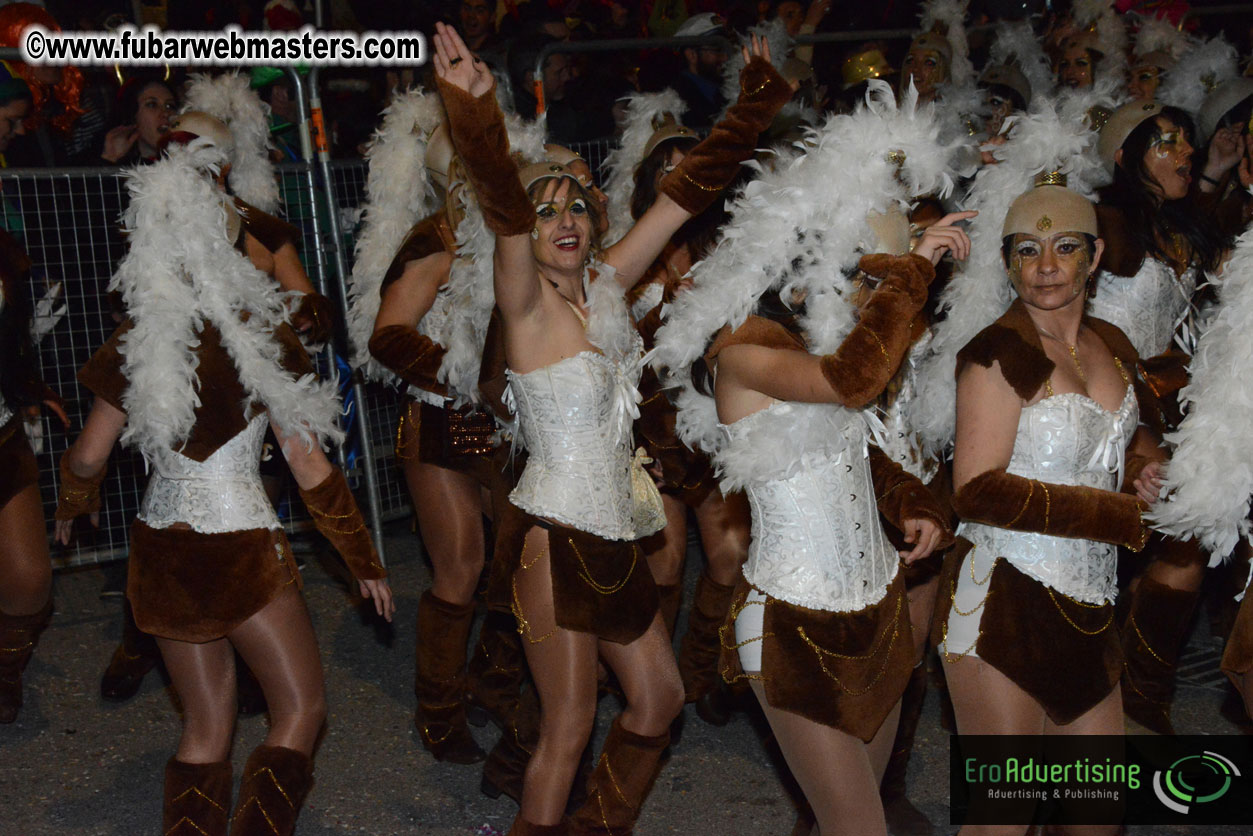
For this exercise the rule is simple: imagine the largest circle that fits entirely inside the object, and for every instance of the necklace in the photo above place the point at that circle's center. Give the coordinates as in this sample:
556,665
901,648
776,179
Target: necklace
1074,352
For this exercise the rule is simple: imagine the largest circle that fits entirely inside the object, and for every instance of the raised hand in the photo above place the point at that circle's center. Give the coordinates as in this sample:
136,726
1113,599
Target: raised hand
456,65
945,236
757,47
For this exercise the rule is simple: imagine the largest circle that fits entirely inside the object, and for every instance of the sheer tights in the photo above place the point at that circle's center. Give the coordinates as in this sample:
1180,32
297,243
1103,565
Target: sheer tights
25,568
279,645
838,773
921,598
724,526
563,665
988,702
450,517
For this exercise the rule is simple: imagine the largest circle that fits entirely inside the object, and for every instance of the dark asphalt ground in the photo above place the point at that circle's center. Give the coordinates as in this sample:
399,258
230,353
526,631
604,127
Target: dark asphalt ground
75,765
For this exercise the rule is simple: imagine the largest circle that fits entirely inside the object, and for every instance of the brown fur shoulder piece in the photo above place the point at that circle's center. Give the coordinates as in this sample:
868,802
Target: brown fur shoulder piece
428,236
272,232
1013,342
756,330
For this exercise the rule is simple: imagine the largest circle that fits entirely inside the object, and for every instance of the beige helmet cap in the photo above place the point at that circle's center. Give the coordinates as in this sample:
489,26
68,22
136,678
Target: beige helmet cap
935,42
1159,58
1048,210
201,124
668,132
891,231
1120,125
1007,75
546,170
1226,96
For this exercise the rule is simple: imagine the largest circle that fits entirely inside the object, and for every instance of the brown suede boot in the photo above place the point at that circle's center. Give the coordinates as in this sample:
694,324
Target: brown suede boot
903,818
496,671
671,598
522,827
623,777
1156,626
505,768
18,634
439,680
197,798
702,646
272,791
133,658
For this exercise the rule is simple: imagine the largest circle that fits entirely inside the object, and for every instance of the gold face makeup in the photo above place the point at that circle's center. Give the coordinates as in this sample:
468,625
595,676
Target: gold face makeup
1168,160
1048,272
551,209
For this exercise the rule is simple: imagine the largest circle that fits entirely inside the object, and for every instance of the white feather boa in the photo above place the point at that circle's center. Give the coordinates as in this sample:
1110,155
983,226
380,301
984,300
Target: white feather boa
181,271
1051,136
1159,35
229,98
1018,44
1210,476
802,225
1197,72
951,14
642,112
399,193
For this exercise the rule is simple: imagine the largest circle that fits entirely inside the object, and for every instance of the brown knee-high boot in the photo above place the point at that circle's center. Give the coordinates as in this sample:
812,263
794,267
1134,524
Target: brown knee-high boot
505,768
18,634
197,798
272,791
701,646
903,818
1156,625
131,661
439,680
622,779
522,827
496,671
671,598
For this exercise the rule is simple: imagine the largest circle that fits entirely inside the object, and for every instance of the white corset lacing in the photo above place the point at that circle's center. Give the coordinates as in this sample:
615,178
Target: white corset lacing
1066,439
1149,307
221,494
816,537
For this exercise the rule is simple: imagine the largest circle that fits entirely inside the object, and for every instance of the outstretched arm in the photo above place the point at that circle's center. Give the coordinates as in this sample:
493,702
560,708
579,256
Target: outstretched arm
478,133
707,169
82,468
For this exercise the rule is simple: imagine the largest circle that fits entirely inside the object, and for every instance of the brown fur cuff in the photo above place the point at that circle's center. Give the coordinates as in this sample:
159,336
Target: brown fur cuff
337,516
413,357
710,167
865,362
315,310
911,274
478,134
1007,501
78,495
902,496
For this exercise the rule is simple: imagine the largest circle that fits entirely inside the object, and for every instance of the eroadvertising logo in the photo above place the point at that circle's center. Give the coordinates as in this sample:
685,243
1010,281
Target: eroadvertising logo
1075,780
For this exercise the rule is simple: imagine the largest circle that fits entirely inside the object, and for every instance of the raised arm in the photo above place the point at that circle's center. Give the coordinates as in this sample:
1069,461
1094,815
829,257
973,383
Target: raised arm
478,133
707,169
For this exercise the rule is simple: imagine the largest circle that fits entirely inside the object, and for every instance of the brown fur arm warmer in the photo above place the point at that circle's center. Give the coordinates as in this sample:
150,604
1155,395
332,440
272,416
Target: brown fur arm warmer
708,168
865,362
478,133
413,357
902,496
78,495
1007,501
316,311
337,516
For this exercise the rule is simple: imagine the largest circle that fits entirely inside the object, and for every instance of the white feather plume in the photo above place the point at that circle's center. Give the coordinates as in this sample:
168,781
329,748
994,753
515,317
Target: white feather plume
399,193
1197,72
1158,34
181,271
1210,476
802,225
229,98
1051,136
780,42
1018,44
643,111
951,15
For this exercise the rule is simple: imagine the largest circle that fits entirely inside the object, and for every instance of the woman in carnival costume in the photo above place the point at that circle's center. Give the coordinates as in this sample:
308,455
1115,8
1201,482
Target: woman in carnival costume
820,623
204,364
1161,242
568,549
421,310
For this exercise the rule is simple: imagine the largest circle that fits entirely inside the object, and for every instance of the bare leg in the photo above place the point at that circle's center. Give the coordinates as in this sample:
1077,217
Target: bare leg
450,517
204,677
836,771
665,561
725,526
25,568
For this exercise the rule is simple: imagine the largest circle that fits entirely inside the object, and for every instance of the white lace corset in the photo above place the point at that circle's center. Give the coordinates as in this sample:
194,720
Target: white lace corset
817,541
1066,439
897,438
223,493
578,470
1148,307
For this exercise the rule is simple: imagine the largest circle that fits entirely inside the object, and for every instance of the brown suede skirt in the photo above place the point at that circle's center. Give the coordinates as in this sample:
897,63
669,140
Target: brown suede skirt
1064,653
198,587
843,670
600,586
687,474
1238,655
18,468
454,439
